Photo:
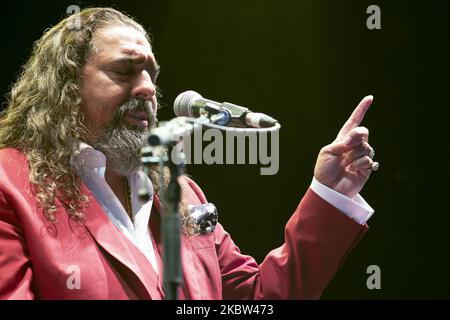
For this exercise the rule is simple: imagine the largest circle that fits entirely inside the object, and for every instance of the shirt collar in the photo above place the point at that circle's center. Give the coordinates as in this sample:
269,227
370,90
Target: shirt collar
87,158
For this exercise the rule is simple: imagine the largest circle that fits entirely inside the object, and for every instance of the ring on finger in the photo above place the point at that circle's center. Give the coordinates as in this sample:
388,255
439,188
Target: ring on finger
372,153
375,166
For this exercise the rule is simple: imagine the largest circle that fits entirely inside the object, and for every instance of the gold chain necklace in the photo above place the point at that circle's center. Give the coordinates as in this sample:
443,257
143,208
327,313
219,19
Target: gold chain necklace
128,208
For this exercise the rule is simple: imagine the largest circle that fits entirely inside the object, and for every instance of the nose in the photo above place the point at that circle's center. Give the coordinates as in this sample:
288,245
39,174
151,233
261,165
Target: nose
143,87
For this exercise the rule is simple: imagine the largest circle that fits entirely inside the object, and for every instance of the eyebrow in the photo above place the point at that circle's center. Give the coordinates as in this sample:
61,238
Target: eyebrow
130,59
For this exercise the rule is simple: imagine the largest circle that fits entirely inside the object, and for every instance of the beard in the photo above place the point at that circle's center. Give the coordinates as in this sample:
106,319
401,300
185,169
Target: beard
121,142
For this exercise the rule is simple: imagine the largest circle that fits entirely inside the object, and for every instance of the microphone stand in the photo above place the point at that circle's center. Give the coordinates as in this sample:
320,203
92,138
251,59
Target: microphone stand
171,226
170,219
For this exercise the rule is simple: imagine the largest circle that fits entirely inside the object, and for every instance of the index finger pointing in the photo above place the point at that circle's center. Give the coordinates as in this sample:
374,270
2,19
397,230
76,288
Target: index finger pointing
357,116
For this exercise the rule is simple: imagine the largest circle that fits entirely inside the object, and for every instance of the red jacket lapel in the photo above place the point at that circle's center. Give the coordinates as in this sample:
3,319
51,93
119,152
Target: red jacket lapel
132,264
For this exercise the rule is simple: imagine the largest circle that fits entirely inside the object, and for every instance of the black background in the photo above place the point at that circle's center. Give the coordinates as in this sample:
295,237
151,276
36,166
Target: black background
307,63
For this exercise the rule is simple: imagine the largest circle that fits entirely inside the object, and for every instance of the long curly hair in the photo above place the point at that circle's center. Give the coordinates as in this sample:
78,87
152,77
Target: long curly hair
43,118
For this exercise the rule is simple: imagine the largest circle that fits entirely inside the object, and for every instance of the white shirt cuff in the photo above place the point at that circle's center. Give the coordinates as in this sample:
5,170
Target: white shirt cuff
356,208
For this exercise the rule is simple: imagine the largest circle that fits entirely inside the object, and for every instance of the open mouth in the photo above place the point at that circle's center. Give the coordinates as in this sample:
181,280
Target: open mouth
139,119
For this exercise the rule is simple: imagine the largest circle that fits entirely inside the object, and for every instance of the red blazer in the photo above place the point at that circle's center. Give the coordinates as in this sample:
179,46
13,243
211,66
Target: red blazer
38,259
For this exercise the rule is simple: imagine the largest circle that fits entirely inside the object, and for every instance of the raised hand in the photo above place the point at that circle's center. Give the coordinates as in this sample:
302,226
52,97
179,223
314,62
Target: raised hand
346,164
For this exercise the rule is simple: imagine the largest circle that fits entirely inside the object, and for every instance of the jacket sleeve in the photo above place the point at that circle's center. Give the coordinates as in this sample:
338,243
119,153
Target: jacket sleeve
16,272
318,238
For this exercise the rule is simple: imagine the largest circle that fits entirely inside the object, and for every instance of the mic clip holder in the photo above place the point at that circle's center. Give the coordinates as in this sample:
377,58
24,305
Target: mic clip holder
216,115
150,161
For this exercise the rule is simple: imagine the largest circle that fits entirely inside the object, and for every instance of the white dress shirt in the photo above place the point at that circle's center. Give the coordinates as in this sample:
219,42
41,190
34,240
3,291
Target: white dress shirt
91,165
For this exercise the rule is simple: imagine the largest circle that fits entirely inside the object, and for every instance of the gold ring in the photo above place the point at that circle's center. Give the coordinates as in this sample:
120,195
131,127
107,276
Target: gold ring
375,166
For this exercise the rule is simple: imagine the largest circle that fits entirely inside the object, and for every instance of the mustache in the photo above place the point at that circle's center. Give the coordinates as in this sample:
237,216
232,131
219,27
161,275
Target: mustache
135,105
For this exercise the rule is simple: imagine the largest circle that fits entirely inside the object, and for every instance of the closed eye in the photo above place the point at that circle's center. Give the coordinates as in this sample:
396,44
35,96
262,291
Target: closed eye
123,73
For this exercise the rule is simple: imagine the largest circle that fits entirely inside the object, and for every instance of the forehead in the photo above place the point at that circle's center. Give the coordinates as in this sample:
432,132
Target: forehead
120,40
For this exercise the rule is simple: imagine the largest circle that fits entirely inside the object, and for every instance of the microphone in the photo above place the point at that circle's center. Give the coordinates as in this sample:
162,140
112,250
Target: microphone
192,104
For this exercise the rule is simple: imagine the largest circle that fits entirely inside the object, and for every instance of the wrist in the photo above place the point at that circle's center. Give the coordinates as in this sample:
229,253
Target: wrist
341,188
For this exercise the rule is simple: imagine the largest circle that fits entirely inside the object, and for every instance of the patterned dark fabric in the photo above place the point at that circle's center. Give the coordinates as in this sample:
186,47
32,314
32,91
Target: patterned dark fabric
205,216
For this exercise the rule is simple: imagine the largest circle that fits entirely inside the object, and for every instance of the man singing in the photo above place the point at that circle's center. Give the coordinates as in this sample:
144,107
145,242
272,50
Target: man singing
71,223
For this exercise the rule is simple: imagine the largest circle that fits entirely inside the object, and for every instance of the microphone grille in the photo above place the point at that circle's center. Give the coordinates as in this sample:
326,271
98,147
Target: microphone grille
183,103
